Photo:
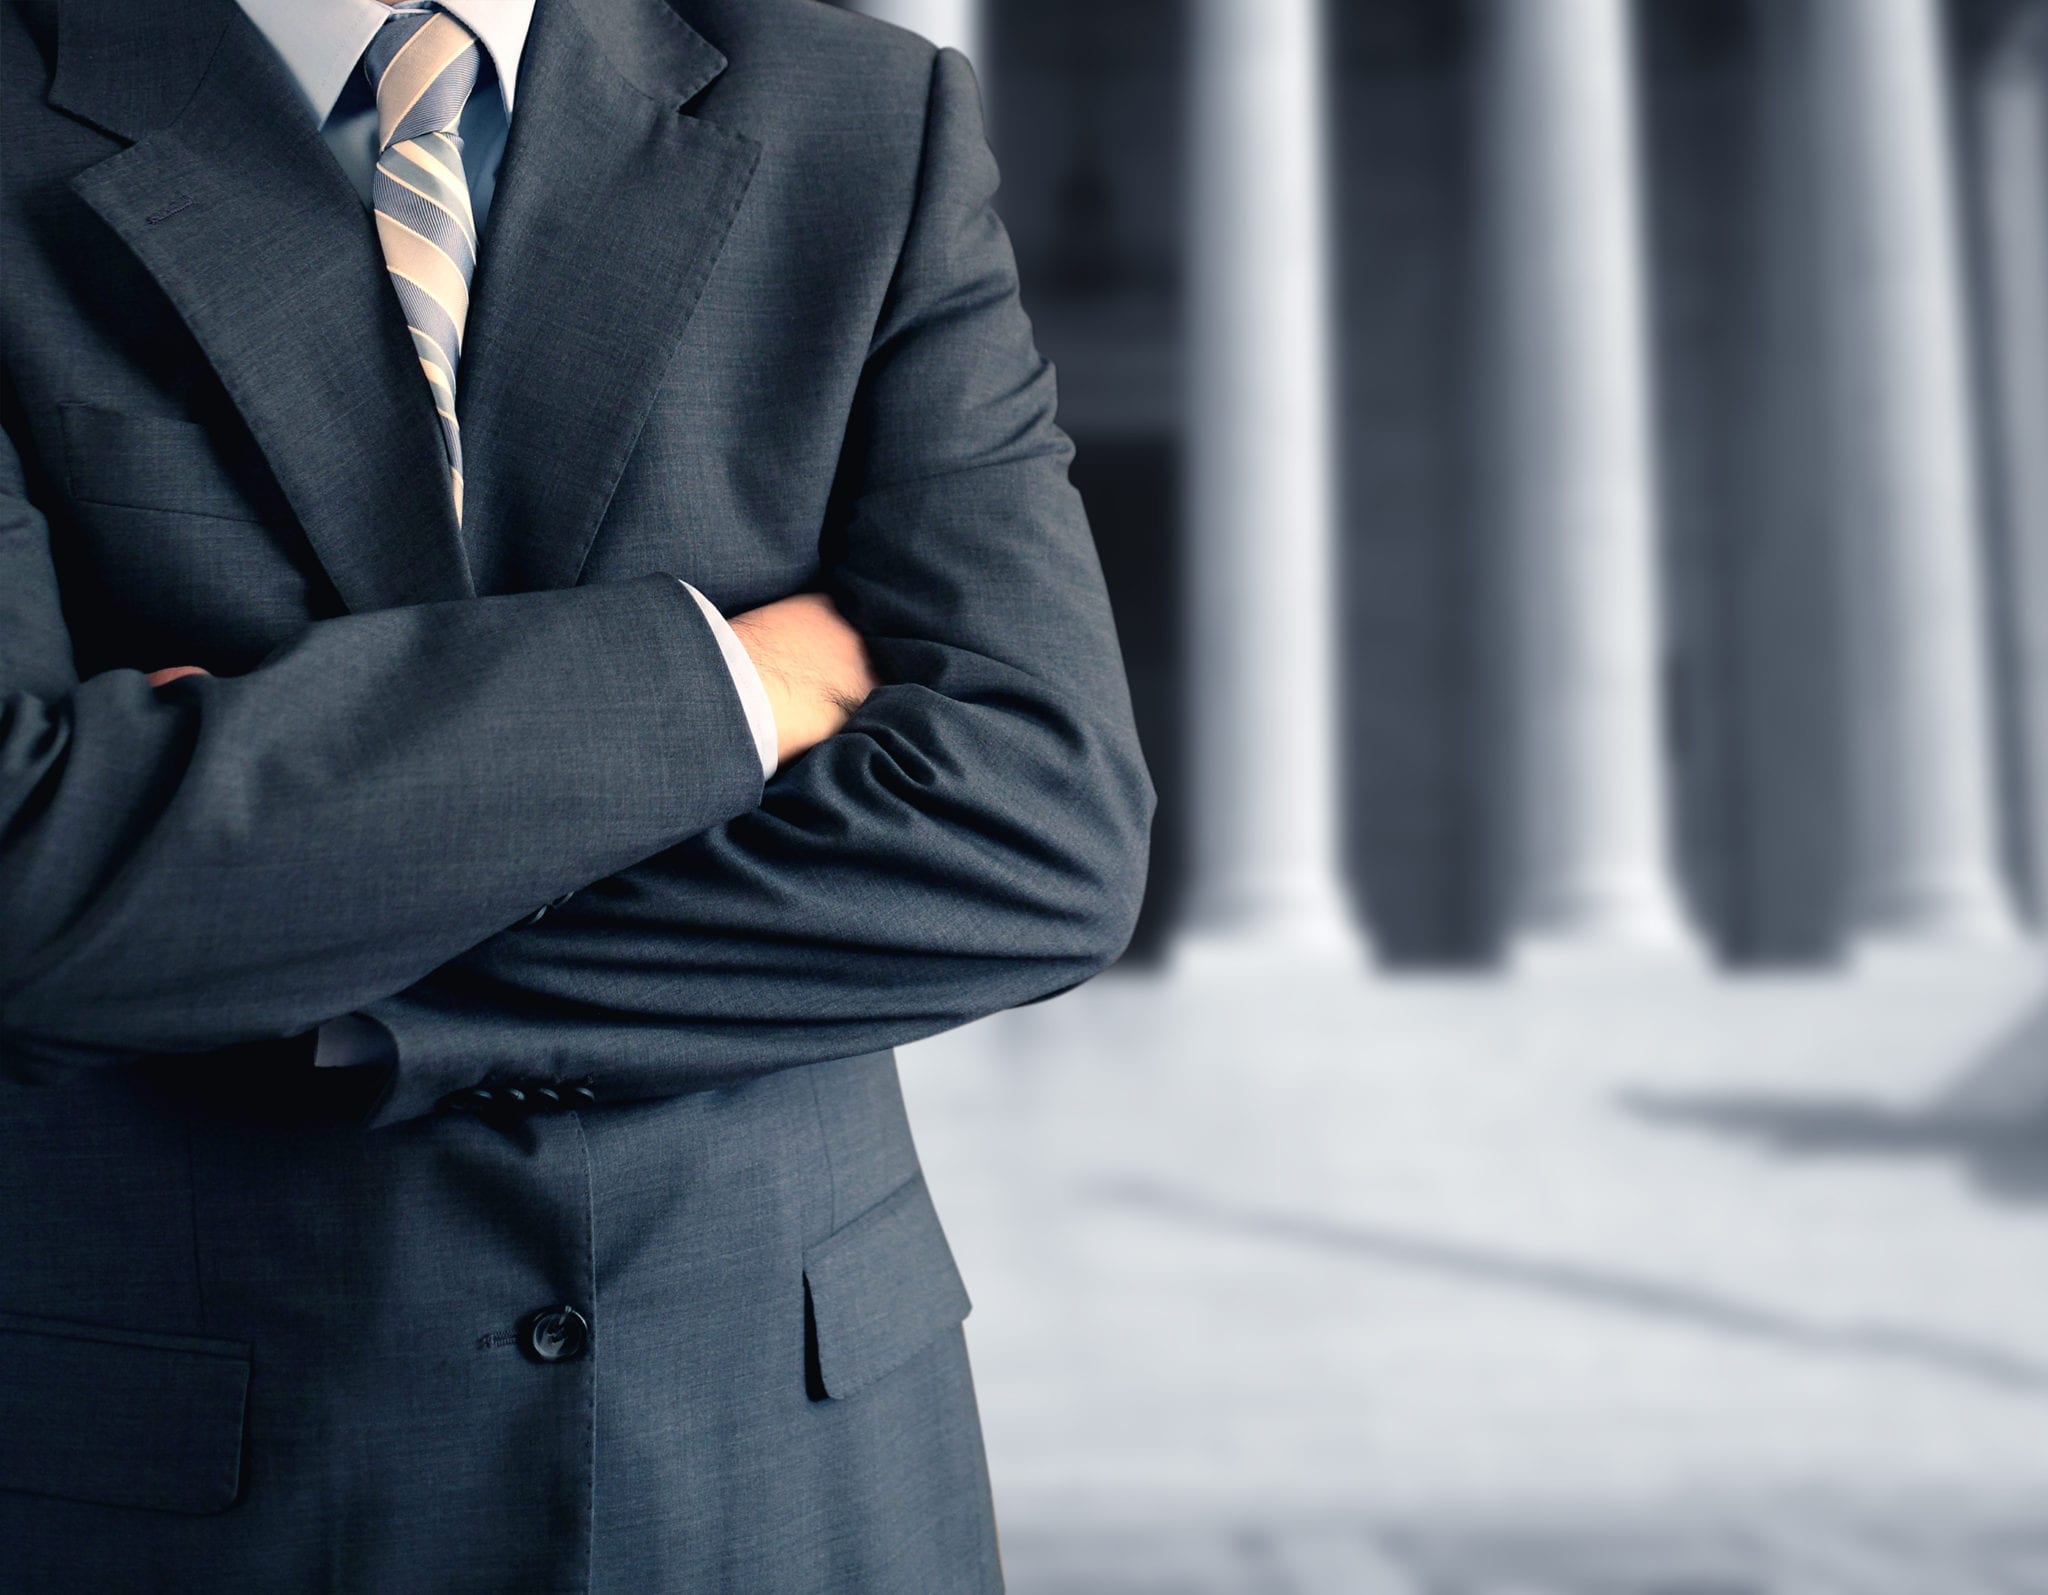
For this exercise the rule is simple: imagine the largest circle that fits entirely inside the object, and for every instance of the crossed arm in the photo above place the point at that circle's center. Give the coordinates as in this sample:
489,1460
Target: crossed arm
346,828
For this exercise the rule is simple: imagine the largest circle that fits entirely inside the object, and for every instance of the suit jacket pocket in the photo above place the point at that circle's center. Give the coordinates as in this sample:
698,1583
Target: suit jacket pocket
120,1417
877,1290
156,462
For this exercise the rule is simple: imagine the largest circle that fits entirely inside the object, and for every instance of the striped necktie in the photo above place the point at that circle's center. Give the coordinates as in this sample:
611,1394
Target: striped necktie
423,65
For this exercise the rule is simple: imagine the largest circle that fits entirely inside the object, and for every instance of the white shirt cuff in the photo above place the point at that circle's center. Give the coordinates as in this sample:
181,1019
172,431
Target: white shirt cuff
746,681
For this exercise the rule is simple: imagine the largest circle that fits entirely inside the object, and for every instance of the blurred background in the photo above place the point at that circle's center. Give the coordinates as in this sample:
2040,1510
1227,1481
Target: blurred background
1574,479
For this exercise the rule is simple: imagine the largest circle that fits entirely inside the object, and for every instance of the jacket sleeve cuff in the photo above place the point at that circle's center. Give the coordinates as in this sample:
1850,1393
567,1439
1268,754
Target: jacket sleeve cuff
351,1041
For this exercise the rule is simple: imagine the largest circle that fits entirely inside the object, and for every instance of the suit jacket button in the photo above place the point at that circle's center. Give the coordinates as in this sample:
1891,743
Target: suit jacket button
556,1334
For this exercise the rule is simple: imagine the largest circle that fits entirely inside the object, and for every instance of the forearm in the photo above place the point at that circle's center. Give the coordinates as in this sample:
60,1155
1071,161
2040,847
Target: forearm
228,860
942,858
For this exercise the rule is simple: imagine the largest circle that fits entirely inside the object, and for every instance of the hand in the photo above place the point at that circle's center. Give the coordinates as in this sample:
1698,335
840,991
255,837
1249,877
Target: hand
812,663
158,678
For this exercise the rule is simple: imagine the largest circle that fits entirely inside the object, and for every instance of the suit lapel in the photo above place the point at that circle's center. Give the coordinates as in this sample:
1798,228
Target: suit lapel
610,210
233,203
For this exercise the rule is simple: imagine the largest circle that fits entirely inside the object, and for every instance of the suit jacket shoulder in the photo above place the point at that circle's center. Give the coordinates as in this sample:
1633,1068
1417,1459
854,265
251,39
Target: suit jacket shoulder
843,93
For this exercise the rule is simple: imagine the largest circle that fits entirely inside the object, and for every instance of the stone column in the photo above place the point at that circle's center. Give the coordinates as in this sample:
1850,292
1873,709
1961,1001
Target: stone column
1925,869
1570,485
1263,662
955,23
2011,106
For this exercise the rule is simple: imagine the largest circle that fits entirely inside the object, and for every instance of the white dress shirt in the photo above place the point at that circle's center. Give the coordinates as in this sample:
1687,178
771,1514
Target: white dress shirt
321,43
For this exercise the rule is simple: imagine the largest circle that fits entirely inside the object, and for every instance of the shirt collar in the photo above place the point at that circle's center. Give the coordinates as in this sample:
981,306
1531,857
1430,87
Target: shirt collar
322,41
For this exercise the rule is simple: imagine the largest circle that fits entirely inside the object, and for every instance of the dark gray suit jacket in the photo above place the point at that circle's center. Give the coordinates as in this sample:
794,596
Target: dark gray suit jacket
744,317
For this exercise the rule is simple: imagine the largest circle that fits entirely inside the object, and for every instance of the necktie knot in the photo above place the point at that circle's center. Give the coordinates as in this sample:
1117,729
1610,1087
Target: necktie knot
423,66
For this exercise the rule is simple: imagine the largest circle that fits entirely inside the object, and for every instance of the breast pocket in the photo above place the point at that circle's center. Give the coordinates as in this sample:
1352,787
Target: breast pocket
879,1290
151,462
121,1417
182,548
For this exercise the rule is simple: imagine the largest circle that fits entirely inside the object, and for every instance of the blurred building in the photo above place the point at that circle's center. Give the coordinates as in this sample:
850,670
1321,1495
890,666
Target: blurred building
1574,473
1574,478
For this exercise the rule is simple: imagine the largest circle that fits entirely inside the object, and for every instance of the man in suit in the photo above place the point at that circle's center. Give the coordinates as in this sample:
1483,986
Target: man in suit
448,1133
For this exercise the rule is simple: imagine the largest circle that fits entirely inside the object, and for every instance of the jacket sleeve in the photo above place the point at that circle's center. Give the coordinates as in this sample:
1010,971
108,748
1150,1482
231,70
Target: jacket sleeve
976,836
228,860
